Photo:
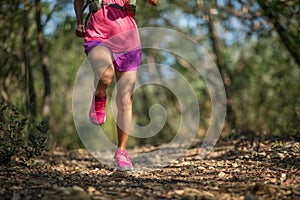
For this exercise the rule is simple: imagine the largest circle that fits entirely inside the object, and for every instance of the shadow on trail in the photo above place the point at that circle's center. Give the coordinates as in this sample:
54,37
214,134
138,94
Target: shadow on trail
238,167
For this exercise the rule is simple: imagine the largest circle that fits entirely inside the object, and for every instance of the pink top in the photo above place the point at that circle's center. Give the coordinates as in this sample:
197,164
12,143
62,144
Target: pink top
115,27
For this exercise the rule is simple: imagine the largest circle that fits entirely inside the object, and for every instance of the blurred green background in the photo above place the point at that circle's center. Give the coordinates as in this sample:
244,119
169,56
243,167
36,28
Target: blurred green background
255,45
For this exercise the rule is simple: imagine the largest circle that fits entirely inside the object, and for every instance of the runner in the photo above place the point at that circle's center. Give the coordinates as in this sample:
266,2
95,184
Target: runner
112,45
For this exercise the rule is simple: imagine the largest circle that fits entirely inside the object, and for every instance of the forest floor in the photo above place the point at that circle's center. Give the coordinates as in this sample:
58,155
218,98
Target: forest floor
236,169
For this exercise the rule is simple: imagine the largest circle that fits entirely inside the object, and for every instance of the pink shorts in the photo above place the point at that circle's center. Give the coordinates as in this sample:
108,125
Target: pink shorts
123,62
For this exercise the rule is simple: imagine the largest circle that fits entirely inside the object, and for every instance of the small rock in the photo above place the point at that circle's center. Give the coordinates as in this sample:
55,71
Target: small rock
273,180
281,155
191,192
77,188
262,154
235,165
97,192
179,192
90,190
139,194
122,183
221,175
283,177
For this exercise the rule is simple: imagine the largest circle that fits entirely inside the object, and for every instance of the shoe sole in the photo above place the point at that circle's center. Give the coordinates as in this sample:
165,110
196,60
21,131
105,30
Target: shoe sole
123,169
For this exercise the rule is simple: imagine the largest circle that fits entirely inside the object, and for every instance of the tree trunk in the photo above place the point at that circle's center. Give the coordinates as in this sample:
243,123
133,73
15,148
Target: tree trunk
44,59
31,96
221,64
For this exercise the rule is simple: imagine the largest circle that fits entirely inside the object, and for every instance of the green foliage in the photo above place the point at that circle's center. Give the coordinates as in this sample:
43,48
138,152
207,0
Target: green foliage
285,16
266,96
37,140
257,59
14,130
63,72
11,128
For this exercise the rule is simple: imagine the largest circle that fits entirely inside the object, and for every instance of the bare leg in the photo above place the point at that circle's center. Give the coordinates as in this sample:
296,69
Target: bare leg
125,86
101,61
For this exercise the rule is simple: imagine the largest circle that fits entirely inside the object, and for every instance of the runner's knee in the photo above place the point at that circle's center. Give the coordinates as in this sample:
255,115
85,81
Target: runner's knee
124,103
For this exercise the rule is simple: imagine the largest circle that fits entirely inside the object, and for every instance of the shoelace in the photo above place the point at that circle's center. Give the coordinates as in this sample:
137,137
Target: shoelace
100,105
122,159
122,156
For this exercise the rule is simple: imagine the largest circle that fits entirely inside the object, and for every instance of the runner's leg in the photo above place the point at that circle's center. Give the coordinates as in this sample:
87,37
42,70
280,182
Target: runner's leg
125,86
103,68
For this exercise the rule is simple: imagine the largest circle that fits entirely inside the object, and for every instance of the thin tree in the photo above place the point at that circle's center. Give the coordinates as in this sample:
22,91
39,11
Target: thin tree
220,60
44,59
31,95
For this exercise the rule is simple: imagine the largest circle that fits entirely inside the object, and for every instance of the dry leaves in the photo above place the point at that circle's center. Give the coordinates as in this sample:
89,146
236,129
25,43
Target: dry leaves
236,169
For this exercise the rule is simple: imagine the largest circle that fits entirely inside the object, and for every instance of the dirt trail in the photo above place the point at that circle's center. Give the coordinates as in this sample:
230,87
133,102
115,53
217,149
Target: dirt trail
236,169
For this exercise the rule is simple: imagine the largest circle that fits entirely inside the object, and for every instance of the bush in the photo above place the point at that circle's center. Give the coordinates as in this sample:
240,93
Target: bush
18,137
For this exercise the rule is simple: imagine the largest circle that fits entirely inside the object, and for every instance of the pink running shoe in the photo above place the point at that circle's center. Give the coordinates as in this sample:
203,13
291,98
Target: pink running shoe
97,110
123,161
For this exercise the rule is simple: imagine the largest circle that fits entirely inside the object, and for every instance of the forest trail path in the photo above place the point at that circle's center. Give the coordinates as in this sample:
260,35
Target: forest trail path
235,169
